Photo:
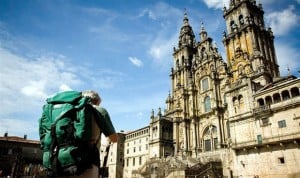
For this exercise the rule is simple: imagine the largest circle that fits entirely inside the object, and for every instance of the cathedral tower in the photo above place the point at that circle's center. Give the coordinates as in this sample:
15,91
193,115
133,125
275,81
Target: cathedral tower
195,102
249,45
181,77
241,115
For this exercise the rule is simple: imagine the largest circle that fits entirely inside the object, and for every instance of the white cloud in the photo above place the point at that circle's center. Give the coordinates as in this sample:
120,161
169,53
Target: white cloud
282,22
165,38
149,13
64,87
159,11
161,49
217,4
26,83
287,57
156,52
135,61
35,89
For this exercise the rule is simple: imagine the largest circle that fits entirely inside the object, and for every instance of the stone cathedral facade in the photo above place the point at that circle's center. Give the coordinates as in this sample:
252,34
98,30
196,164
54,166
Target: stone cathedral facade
233,118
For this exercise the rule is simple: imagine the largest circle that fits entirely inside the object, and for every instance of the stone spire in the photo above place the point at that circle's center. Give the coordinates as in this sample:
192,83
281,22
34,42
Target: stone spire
203,33
186,37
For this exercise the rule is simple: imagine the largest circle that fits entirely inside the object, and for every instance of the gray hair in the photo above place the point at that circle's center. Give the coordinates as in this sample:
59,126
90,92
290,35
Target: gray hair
94,96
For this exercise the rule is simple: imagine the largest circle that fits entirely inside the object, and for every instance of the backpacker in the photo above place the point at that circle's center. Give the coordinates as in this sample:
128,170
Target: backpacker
65,130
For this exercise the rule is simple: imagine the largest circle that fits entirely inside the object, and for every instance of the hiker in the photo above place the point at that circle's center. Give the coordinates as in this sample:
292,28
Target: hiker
70,131
96,132
96,101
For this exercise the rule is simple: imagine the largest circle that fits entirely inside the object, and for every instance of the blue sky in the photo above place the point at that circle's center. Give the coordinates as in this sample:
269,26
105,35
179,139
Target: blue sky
122,49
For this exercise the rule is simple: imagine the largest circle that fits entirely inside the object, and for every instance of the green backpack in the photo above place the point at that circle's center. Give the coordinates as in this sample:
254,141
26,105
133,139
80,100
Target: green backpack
65,132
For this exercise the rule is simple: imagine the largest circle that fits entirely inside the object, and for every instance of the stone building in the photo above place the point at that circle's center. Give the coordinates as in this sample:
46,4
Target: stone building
237,118
145,147
20,157
113,156
136,151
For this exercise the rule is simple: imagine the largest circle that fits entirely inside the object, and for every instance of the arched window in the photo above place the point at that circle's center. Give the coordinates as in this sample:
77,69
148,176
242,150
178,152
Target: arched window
235,104
207,106
177,64
202,53
260,102
205,85
295,92
241,20
232,25
268,100
285,95
210,138
276,98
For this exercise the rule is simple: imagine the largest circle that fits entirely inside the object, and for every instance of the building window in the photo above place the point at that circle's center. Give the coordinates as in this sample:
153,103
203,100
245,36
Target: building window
265,121
210,138
207,106
268,100
140,160
207,145
276,98
259,139
281,124
261,102
295,92
235,104
205,84
127,162
285,95
133,161
10,151
281,160
241,19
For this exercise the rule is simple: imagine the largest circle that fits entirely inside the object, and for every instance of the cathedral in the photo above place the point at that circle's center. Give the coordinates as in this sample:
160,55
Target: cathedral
223,118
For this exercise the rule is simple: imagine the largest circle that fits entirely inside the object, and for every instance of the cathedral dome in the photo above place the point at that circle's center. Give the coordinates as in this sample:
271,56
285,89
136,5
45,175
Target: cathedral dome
186,37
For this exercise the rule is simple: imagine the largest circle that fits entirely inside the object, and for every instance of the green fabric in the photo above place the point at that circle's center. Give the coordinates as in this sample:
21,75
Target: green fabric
106,125
71,115
65,157
65,97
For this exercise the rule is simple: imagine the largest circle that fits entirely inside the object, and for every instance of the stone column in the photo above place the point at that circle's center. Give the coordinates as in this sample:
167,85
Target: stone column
176,136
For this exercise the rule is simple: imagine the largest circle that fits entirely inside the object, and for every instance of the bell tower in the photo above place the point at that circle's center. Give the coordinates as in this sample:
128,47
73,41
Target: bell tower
181,77
248,44
181,71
